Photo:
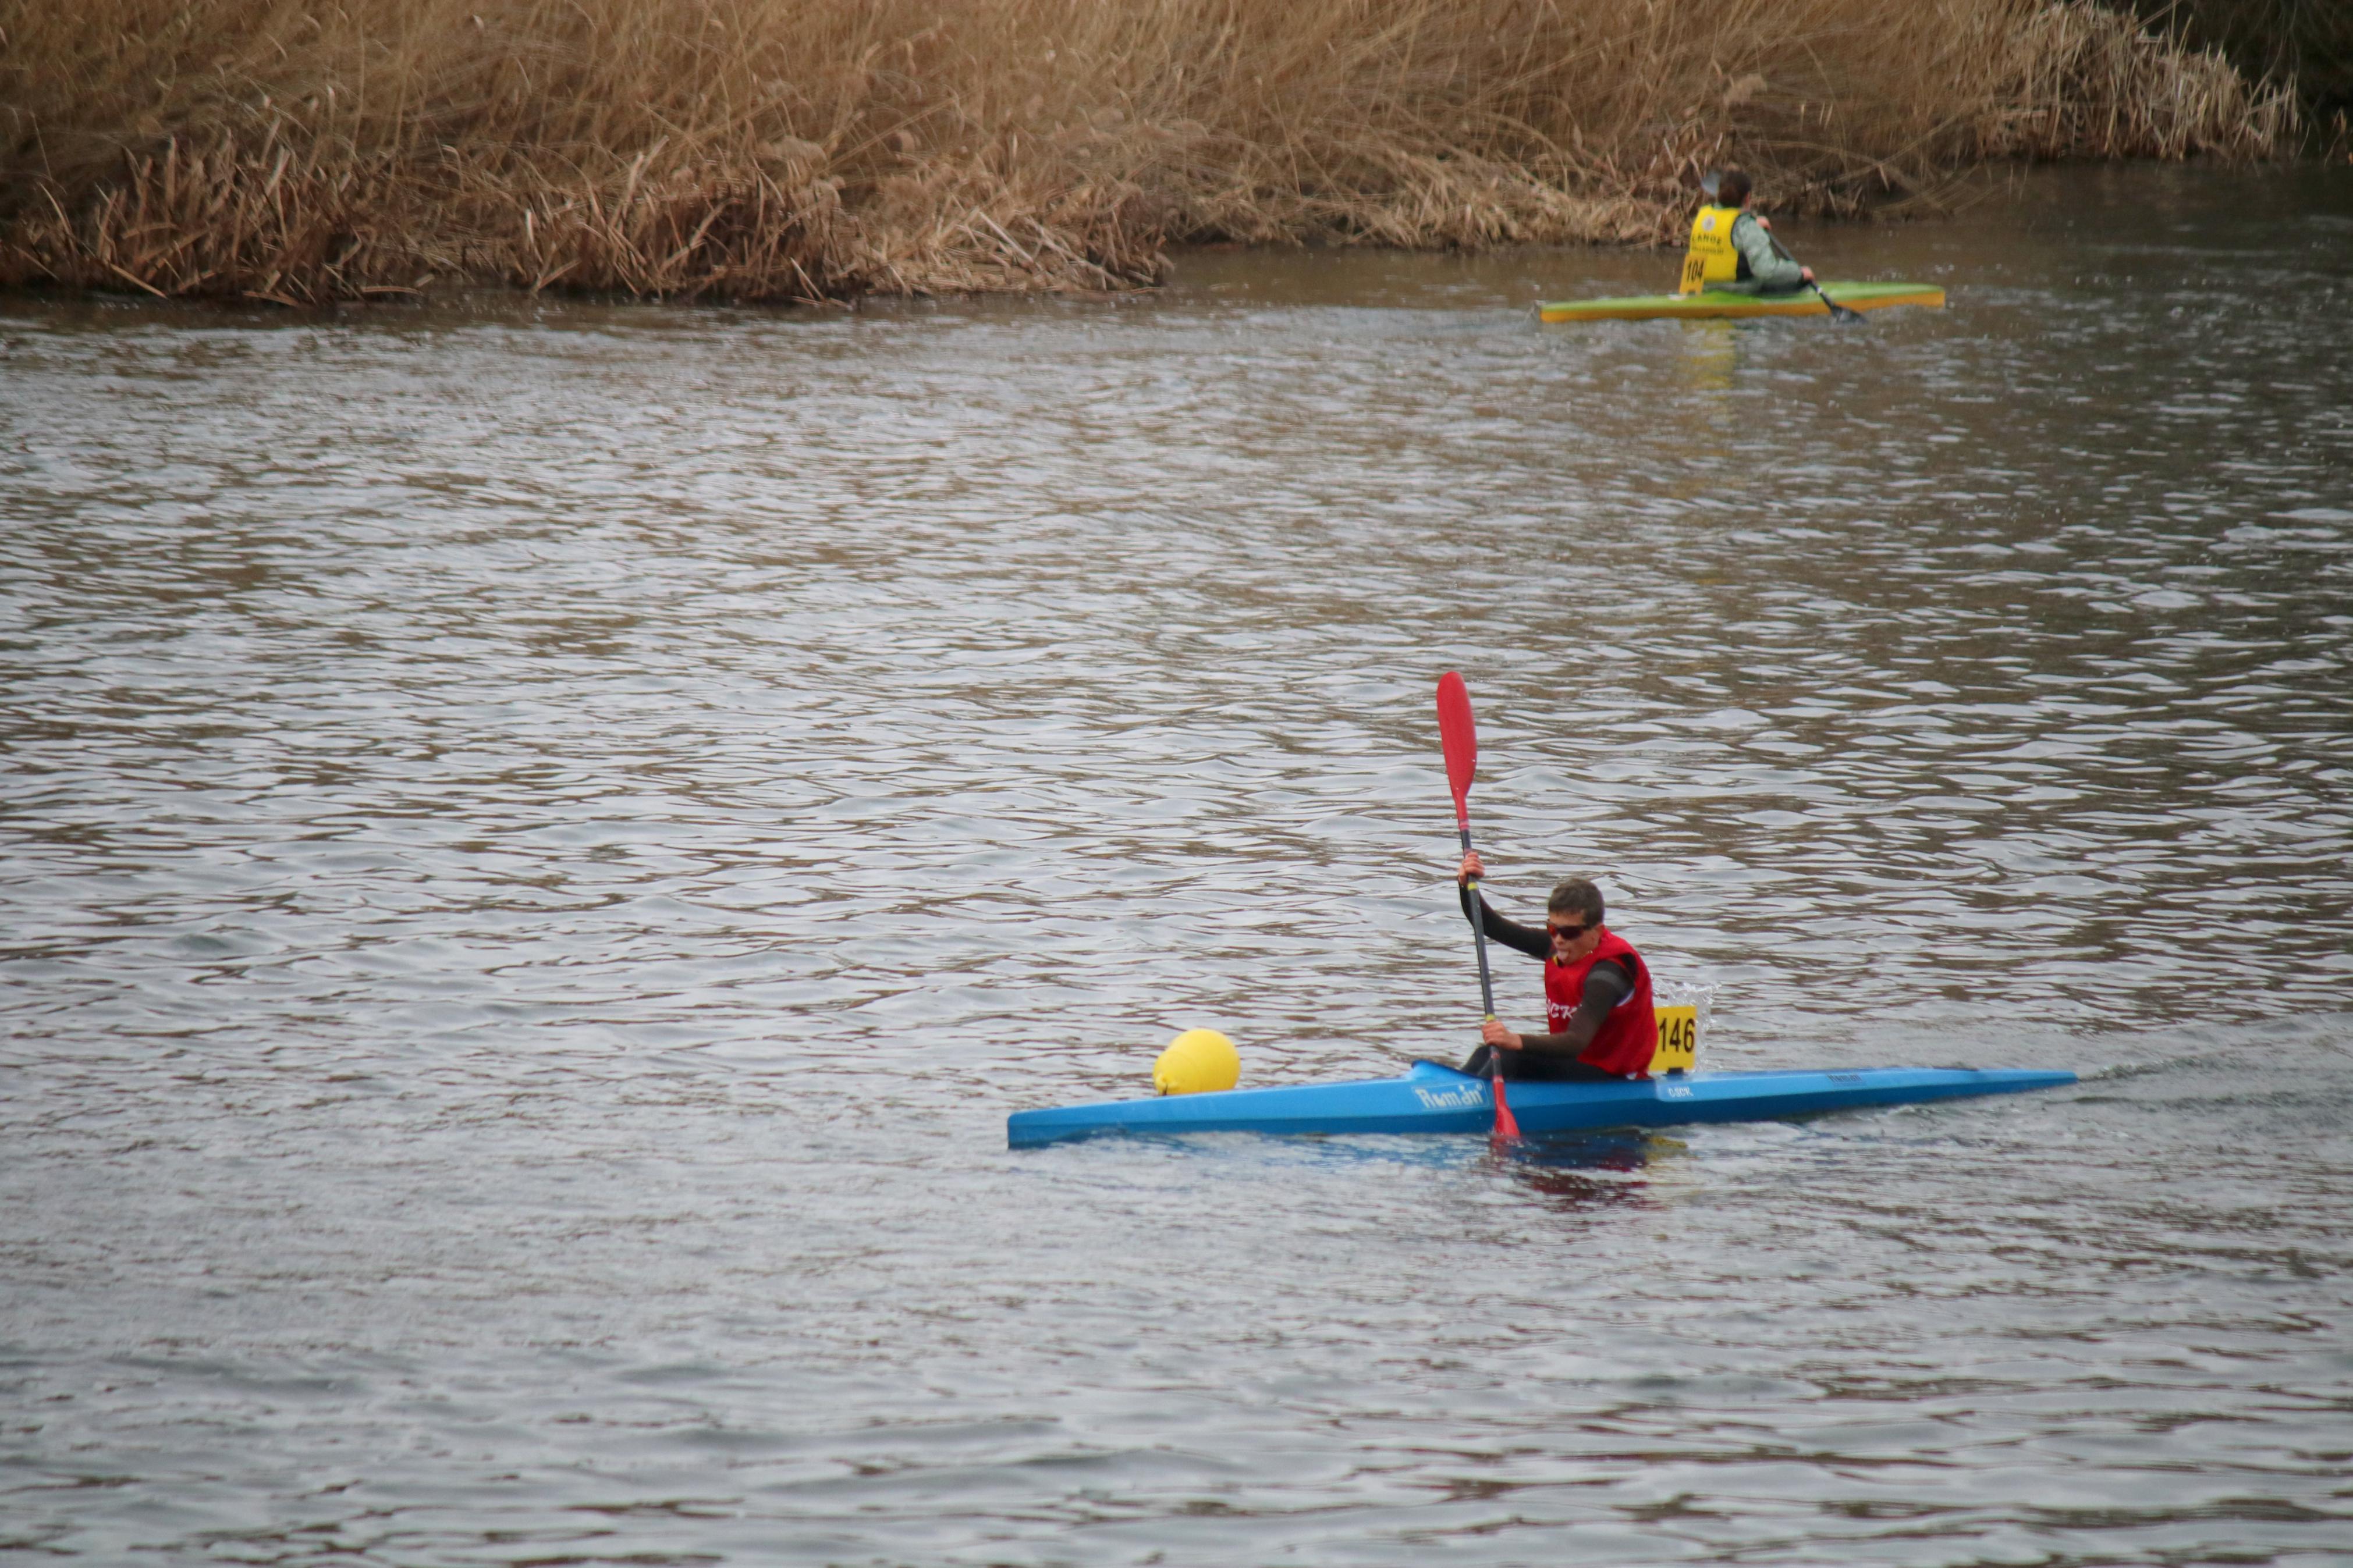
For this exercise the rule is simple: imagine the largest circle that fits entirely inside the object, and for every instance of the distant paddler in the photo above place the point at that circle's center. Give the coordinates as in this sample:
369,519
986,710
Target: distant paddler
1599,1016
1732,249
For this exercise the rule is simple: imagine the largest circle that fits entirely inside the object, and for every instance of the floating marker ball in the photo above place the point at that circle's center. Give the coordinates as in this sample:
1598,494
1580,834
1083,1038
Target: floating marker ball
1198,1061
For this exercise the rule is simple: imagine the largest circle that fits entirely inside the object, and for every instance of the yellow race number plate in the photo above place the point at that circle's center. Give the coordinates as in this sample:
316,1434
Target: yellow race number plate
1678,1041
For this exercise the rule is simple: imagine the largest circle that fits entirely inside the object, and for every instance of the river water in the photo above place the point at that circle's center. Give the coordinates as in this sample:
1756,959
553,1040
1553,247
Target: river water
540,841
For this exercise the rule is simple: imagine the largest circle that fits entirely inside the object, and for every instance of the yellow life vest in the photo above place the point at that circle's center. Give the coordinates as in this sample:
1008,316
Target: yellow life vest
1711,258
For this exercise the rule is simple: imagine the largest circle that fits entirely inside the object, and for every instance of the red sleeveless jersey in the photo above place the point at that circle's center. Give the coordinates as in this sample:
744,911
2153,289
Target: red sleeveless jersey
1629,1036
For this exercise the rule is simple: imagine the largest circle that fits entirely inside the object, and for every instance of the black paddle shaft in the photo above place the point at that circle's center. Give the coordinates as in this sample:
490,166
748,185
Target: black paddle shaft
1838,312
1479,929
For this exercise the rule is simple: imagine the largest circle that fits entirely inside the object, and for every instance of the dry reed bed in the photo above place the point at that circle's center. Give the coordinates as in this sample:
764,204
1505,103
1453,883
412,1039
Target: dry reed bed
822,148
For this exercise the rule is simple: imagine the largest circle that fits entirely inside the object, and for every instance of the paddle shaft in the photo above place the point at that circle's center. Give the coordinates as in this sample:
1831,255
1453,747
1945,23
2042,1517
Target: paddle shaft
1479,931
1507,1126
1837,310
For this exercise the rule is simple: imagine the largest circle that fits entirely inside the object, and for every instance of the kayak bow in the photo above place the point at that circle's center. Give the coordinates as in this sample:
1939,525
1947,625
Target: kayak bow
1714,304
1434,1099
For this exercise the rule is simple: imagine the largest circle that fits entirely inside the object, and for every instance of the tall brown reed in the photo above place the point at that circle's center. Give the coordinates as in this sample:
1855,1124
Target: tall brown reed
820,149
2308,42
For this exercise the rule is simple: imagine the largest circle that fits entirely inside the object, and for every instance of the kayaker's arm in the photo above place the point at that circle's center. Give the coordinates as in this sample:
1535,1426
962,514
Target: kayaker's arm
1510,932
1769,273
1606,983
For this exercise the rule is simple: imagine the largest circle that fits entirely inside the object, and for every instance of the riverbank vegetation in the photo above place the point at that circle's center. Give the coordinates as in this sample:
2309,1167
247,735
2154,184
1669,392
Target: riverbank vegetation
818,149
2309,43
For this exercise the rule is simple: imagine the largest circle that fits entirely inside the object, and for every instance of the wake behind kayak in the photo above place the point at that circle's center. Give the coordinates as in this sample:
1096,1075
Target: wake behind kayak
1434,1099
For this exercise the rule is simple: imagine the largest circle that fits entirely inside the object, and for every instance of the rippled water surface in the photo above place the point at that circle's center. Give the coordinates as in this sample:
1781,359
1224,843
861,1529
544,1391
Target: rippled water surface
539,842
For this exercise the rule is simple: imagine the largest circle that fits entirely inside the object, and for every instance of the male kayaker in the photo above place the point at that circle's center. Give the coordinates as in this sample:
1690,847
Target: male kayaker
1732,249
1597,991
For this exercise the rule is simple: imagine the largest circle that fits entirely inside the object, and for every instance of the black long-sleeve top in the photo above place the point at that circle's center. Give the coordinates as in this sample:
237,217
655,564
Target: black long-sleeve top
1606,983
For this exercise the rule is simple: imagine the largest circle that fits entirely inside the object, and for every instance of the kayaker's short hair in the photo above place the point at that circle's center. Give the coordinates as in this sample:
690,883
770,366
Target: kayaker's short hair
1732,188
1576,897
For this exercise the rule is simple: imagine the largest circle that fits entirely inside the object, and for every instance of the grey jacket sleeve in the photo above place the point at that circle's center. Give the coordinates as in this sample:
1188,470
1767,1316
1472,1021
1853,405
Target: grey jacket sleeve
1769,271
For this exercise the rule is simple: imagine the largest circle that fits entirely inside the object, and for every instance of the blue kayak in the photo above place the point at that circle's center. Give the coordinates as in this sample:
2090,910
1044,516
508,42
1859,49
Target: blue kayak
1434,1099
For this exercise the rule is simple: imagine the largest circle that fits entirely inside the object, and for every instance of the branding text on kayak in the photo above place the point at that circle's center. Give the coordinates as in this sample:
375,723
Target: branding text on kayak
1469,1097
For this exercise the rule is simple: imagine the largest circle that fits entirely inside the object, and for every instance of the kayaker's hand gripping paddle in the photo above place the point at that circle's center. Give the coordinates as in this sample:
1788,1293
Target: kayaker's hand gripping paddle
1460,736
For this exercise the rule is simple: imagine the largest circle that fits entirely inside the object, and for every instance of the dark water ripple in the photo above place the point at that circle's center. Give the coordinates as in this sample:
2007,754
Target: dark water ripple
542,842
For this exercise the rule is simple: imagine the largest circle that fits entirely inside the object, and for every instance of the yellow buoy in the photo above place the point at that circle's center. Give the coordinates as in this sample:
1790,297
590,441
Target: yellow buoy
1198,1061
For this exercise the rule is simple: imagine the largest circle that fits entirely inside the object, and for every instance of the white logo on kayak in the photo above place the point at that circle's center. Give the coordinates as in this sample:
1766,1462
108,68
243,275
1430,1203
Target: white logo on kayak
1467,1097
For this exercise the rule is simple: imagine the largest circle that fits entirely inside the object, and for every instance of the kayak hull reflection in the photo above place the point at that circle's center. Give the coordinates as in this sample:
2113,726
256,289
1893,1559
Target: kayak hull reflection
1711,304
1435,1099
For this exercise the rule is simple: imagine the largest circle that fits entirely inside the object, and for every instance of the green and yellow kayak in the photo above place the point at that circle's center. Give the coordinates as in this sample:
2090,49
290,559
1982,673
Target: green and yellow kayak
1713,304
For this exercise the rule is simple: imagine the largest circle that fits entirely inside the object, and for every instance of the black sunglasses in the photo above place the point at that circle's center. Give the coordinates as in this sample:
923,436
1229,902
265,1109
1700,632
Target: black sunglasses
1566,934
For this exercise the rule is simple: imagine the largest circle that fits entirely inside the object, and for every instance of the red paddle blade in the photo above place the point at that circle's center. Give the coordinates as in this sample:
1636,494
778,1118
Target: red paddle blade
1460,736
1506,1124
